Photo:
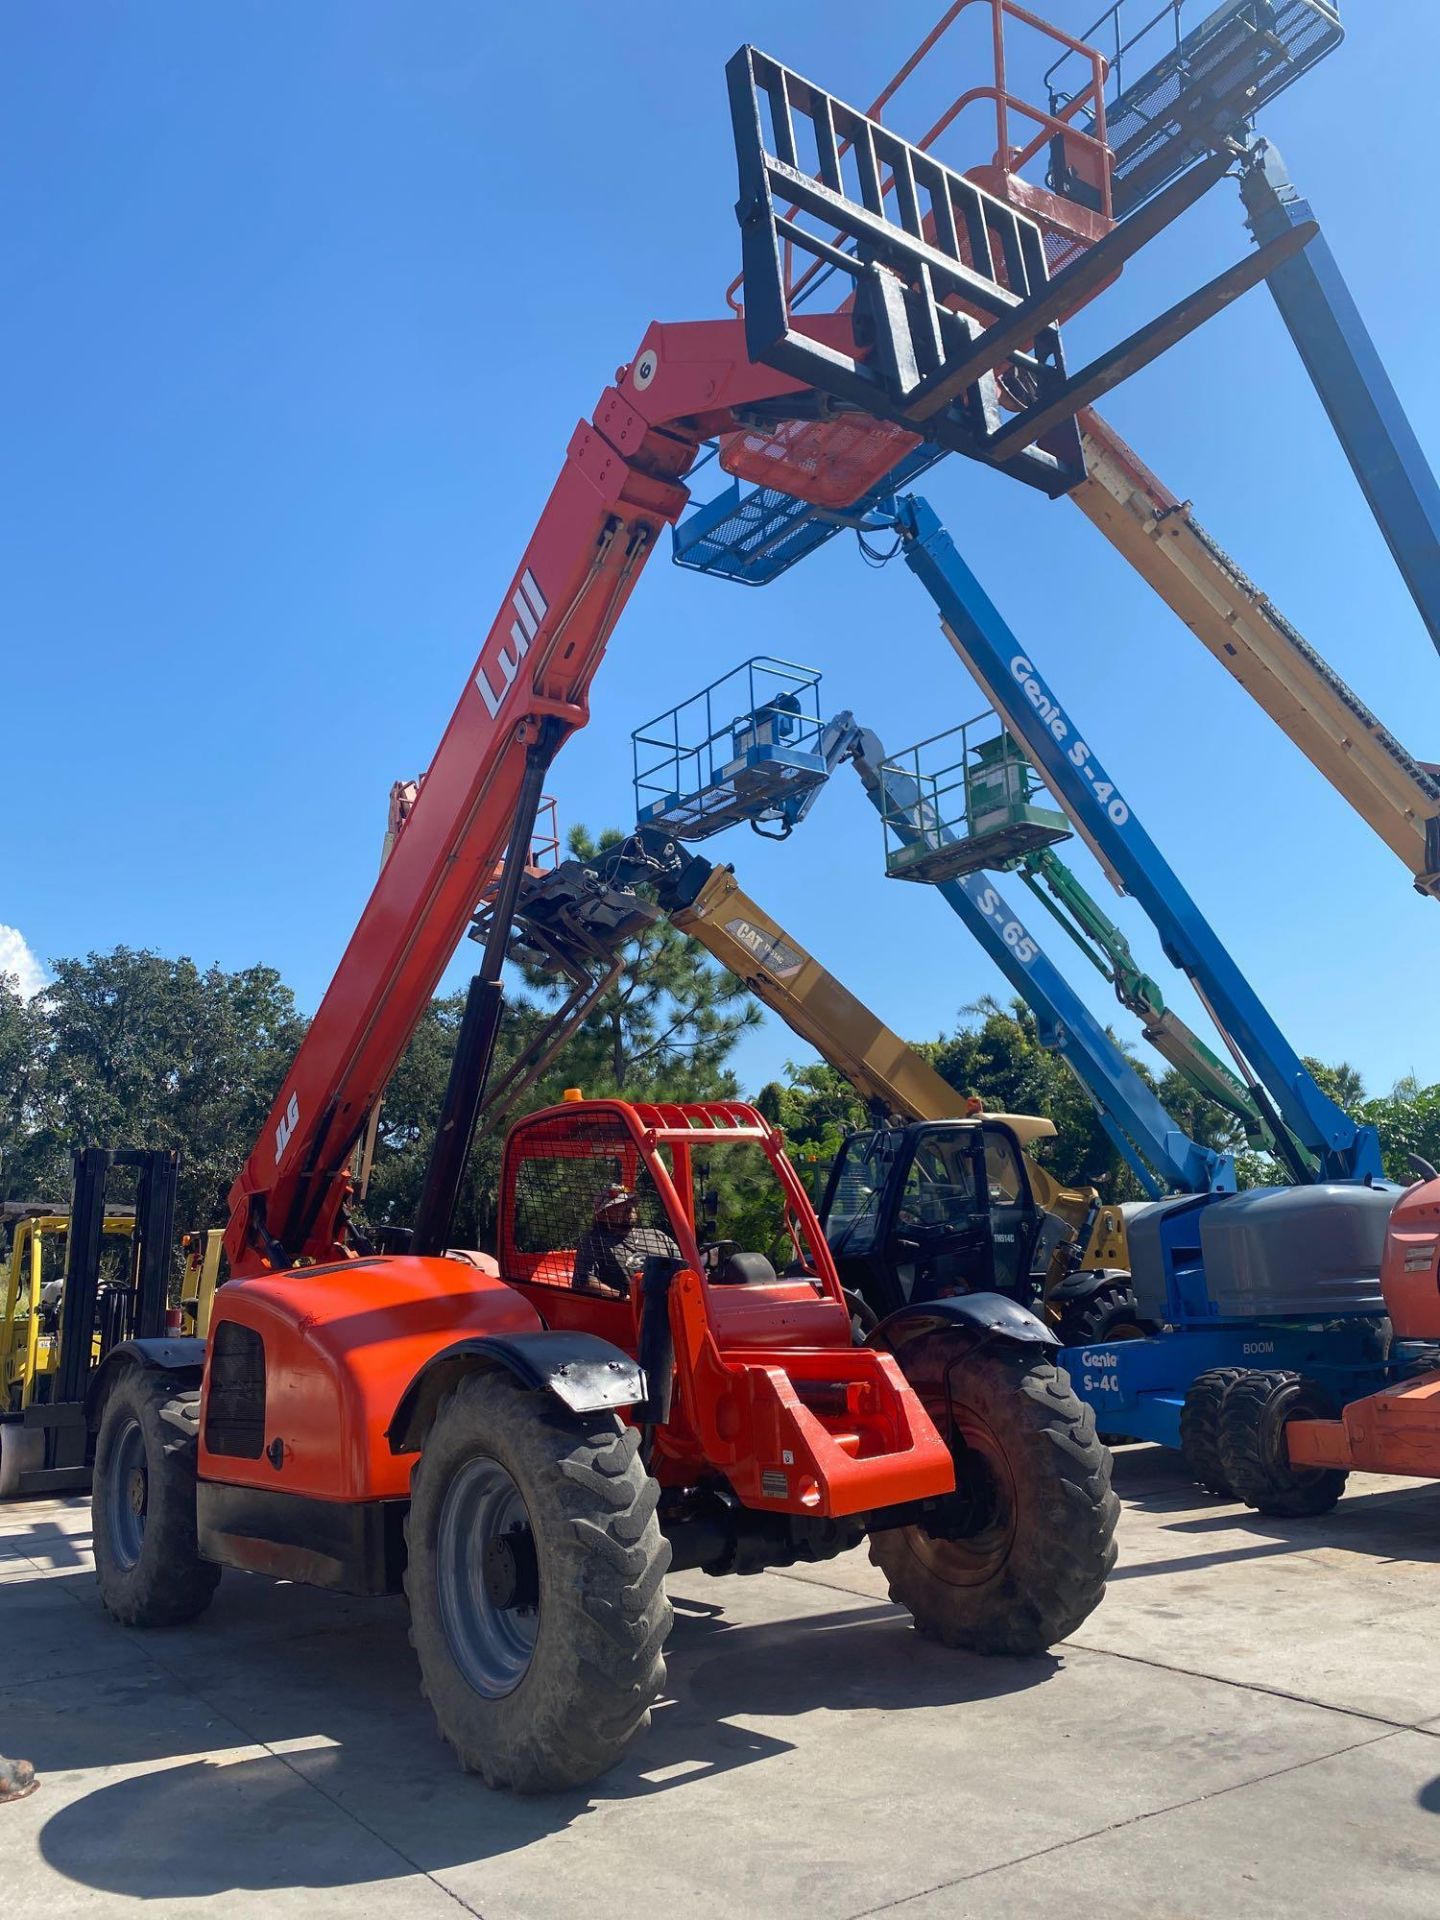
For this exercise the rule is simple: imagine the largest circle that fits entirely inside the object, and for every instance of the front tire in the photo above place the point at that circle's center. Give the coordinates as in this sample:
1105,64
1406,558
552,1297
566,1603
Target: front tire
1017,1557
142,1503
536,1583
1252,1445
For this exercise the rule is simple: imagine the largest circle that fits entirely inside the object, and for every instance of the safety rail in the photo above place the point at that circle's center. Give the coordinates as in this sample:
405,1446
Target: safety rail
1067,228
1188,76
737,749
973,812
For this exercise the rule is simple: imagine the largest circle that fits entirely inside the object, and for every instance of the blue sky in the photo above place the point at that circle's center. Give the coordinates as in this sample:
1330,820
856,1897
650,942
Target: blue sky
300,306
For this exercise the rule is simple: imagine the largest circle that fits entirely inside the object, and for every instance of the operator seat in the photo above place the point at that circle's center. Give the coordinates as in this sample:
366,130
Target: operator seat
739,1269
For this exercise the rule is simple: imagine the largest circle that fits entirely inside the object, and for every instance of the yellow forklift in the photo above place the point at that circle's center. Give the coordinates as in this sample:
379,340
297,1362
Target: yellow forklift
74,1291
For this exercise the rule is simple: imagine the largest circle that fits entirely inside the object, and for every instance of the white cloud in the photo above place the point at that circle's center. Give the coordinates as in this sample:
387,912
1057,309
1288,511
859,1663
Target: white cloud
16,958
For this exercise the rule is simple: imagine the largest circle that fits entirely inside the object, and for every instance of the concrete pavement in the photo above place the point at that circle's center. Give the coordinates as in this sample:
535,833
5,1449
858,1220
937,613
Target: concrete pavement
1249,1725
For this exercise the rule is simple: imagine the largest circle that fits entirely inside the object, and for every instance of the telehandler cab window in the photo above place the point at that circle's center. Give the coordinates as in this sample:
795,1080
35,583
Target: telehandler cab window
740,1207
571,1225
940,1186
1003,1170
859,1190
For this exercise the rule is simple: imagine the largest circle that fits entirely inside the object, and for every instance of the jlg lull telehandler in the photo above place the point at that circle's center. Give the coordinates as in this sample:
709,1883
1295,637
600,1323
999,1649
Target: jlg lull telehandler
525,1453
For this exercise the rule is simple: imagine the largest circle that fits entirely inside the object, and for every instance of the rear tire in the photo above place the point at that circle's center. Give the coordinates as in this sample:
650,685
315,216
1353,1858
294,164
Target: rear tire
1252,1445
536,1583
1200,1429
142,1503
1018,1556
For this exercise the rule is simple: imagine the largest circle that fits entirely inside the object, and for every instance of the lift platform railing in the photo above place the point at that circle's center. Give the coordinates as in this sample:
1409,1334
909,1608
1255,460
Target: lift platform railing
740,748
950,289
1012,129
1182,79
968,805
995,129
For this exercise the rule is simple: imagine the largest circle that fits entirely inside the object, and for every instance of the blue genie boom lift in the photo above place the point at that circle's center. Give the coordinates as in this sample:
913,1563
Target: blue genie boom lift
1282,1276
939,374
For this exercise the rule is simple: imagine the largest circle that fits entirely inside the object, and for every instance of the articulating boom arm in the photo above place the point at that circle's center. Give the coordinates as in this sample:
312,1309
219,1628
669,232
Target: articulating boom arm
1059,891
619,486
1013,684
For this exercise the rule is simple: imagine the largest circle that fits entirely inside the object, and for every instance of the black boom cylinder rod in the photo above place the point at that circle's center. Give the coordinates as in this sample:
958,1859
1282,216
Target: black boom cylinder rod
480,1026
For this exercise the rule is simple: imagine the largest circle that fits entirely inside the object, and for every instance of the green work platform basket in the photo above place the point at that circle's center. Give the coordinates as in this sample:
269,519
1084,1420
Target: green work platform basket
963,802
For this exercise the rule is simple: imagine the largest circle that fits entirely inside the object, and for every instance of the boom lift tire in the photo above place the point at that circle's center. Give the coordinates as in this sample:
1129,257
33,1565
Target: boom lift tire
1200,1429
536,1582
1019,1554
142,1502
1252,1445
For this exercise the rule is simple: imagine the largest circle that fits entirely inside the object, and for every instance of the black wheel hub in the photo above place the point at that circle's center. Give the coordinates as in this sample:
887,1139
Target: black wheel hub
511,1571
975,1503
135,1491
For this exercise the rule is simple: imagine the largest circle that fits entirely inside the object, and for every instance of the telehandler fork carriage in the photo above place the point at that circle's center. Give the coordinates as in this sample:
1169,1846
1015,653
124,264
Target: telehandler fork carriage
646,1367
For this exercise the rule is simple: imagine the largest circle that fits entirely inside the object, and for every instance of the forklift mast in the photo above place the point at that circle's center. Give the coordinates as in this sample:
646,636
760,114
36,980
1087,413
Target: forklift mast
95,1319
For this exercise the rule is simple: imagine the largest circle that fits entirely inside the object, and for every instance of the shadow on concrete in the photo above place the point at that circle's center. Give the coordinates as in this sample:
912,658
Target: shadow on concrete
1429,1796
46,1544
1386,1523
357,1743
